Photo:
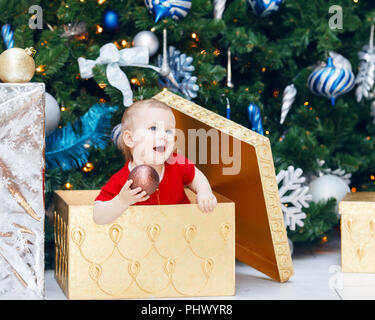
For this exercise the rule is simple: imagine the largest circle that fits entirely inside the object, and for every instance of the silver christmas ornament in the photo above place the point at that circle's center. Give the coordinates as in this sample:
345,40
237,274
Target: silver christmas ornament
52,114
165,70
328,186
147,39
366,75
289,95
219,6
229,70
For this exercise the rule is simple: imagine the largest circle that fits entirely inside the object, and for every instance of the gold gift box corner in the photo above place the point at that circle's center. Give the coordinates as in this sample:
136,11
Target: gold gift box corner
357,225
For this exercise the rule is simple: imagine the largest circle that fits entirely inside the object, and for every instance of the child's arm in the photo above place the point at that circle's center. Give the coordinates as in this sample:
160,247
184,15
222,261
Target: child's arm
205,198
107,211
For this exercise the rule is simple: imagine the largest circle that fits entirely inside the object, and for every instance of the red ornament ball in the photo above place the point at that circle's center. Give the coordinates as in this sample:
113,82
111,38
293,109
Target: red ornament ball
146,177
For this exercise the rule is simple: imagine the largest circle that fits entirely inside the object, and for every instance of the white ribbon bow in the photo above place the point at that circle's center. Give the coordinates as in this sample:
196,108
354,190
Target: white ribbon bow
114,59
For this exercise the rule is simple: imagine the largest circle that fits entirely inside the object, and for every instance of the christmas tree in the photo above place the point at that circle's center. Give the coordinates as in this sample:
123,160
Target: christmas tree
268,53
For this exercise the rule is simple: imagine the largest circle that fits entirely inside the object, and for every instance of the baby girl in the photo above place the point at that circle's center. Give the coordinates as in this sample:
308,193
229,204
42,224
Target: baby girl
148,137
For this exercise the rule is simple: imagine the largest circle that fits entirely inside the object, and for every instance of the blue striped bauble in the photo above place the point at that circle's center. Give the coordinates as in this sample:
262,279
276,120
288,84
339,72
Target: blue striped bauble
176,9
331,81
255,118
8,36
116,133
264,7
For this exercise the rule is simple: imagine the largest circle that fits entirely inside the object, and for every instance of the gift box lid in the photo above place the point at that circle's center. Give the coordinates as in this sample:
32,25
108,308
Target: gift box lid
261,239
358,203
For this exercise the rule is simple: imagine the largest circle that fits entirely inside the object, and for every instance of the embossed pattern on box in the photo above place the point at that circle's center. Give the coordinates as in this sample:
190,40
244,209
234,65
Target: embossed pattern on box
149,251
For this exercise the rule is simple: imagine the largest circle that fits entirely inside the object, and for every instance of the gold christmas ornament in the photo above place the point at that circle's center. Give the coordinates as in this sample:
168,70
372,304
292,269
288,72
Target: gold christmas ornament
17,65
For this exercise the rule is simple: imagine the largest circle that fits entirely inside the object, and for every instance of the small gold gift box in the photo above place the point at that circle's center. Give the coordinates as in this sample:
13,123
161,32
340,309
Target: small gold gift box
358,232
149,251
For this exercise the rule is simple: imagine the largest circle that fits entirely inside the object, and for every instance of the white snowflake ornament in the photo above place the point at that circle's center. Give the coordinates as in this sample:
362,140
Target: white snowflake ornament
341,173
293,196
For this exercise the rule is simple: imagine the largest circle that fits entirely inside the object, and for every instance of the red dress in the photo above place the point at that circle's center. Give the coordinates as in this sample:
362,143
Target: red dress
171,187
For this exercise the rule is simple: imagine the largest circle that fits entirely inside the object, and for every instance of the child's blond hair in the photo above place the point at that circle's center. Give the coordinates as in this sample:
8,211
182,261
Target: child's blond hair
127,122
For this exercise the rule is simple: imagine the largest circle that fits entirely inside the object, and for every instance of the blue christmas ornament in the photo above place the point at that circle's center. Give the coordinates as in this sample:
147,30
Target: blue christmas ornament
8,36
265,7
255,118
177,9
331,81
111,20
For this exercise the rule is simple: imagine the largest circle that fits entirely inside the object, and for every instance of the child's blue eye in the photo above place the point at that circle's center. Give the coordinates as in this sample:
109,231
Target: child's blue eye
169,131
153,128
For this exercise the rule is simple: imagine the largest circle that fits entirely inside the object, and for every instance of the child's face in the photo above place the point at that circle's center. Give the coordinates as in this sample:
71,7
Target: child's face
153,136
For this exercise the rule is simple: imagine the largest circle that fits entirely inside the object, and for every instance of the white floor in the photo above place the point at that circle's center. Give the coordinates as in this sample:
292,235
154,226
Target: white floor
317,276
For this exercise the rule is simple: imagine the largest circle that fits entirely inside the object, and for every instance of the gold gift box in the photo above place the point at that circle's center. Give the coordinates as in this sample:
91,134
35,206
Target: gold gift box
358,232
149,251
176,250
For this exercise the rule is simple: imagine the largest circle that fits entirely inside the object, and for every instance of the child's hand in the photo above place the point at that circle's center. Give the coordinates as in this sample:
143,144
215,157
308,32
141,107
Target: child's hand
206,201
131,196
